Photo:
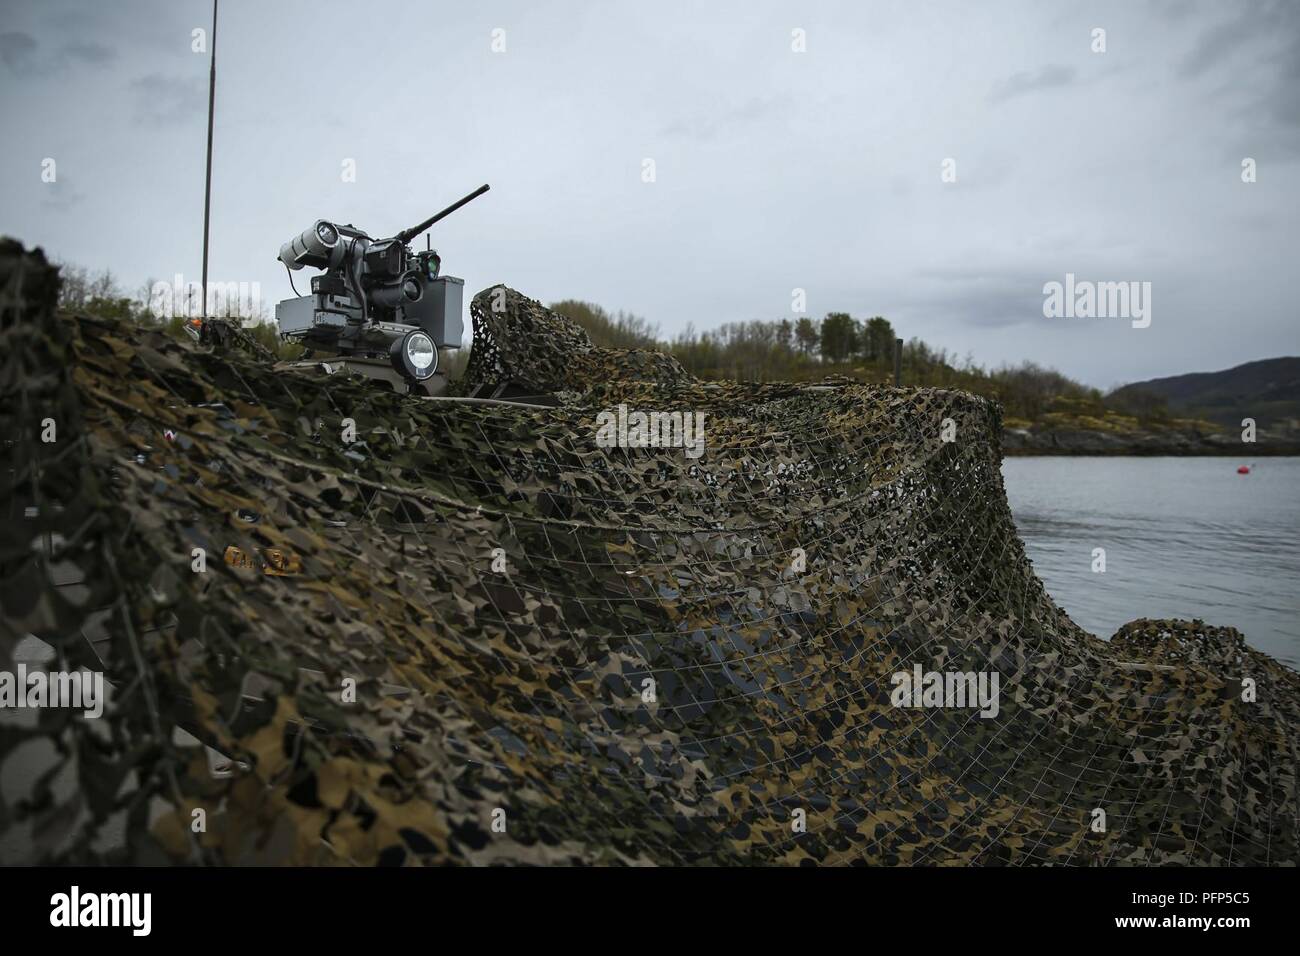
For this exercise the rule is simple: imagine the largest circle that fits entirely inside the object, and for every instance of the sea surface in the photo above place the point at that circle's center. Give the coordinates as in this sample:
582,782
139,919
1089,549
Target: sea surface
1184,537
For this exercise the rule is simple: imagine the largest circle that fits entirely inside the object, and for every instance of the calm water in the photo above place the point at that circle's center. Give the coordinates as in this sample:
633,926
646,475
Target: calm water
1184,537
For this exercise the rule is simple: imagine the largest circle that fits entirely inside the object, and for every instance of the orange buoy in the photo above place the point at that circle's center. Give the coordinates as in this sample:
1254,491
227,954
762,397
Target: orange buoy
1243,470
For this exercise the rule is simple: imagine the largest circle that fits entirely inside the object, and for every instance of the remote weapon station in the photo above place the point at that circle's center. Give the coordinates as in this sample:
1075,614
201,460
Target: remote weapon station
381,309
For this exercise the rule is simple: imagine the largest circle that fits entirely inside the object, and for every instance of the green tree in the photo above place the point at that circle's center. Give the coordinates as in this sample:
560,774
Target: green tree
878,340
621,331
121,308
839,336
807,336
785,334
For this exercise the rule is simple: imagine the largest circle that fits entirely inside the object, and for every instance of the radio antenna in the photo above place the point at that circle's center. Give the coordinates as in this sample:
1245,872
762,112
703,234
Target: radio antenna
207,182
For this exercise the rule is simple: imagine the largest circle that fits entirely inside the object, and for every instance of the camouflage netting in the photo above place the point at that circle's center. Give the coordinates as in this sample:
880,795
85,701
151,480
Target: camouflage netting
825,540
517,340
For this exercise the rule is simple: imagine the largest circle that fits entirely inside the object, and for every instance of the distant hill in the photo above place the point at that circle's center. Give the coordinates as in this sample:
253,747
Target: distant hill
1267,391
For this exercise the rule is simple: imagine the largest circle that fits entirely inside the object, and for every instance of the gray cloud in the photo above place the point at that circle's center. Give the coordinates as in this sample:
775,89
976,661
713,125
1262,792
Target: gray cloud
1253,62
1282,101
18,51
61,195
985,298
1217,44
168,100
1018,84
90,52
21,54
704,126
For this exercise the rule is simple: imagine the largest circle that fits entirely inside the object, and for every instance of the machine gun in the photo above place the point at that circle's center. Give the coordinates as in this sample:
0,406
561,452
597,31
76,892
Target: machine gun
384,310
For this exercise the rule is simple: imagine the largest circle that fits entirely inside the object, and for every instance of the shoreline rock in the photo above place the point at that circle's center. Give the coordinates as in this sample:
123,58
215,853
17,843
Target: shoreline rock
1027,442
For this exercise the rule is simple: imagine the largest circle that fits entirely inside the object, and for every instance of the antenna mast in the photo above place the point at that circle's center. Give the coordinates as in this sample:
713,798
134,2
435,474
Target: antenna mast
207,182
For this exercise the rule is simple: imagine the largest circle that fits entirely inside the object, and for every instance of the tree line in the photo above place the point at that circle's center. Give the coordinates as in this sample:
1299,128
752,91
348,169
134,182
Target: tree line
802,349
806,349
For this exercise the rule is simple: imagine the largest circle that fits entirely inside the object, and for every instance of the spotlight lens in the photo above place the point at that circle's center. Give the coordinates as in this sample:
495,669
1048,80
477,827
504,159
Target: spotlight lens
420,351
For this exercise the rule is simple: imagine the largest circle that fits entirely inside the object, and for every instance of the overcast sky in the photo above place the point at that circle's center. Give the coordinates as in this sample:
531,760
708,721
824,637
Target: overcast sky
773,169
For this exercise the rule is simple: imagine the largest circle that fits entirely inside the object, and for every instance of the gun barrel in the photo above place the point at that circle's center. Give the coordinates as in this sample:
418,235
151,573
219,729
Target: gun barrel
406,235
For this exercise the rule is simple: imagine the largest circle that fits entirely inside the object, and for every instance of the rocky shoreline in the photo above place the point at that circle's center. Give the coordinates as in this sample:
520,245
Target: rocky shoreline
1172,441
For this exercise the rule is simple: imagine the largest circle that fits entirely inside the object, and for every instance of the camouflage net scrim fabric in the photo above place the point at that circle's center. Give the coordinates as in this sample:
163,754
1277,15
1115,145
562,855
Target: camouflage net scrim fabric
505,642
517,339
